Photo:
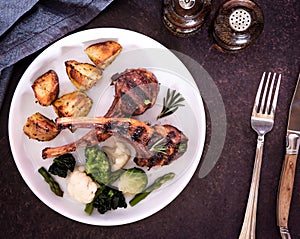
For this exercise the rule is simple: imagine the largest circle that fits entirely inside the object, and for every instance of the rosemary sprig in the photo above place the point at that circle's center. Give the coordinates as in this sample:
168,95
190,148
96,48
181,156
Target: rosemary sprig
171,103
159,146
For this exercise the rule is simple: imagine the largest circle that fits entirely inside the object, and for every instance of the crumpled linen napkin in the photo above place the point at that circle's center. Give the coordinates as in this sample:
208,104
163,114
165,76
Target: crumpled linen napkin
26,26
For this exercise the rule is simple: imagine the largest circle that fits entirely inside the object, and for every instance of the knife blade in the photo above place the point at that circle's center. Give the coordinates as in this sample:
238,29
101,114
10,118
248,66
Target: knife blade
286,183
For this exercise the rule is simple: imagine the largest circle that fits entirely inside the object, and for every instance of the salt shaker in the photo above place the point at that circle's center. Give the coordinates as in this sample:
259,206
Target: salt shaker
236,25
185,17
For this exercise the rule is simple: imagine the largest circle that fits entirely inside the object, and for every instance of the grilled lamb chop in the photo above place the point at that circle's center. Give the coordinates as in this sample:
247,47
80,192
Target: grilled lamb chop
136,91
154,145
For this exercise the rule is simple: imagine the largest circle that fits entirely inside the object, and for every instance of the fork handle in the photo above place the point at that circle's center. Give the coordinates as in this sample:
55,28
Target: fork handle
249,224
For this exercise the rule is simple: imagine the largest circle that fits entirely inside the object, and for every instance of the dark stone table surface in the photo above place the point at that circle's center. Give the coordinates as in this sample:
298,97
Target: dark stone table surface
209,207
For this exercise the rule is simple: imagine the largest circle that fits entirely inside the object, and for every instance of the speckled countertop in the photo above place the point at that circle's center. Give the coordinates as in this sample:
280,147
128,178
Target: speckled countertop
209,207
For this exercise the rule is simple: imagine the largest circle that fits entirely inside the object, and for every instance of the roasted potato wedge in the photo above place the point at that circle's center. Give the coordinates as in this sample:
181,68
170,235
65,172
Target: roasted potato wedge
41,128
73,104
83,75
46,88
103,53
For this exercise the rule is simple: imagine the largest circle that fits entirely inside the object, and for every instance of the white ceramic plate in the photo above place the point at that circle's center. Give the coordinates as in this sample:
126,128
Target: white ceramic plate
138,51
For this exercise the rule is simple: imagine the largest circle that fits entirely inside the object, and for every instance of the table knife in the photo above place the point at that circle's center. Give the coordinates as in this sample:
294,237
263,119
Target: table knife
286,183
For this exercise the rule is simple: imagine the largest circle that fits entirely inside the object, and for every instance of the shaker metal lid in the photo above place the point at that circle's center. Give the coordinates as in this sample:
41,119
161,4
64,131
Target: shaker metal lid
187,4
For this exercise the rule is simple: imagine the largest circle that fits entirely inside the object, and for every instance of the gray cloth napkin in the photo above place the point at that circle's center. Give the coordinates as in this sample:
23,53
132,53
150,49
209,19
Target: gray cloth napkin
26,26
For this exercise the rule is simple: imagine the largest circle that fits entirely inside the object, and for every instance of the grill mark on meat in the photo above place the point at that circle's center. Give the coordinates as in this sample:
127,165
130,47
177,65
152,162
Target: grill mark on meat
174,141
132,88
137,133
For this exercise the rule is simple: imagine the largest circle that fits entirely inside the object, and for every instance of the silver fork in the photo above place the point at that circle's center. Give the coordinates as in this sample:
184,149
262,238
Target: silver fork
262,121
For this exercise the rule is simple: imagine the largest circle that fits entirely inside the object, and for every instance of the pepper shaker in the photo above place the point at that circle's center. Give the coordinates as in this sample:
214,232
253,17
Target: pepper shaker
185,17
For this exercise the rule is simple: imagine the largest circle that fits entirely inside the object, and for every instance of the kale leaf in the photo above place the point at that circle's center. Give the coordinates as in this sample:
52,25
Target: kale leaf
62,164
109,199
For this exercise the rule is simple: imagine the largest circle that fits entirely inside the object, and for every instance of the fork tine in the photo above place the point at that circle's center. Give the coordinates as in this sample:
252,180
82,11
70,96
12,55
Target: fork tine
258,94
270,94
276,96
263,100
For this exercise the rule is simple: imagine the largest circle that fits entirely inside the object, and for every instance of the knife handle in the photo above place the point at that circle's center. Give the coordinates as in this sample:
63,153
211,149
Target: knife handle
285,189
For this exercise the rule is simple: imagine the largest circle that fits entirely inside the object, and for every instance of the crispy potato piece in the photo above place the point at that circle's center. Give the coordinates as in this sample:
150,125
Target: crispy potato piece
41,128
73,104
83,75
46,88
103,53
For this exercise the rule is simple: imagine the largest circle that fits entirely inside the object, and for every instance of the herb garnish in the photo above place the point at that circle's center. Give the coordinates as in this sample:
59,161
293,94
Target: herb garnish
147,102
171,103
159,146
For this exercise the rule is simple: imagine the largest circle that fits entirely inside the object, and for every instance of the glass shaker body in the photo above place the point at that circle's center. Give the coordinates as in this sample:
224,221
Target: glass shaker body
185,17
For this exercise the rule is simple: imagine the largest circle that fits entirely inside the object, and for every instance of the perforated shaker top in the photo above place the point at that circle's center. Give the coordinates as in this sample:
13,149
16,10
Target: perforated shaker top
240,20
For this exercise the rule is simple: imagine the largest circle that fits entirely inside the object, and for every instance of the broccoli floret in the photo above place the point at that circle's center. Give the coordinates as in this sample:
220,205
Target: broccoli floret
97,164
62,164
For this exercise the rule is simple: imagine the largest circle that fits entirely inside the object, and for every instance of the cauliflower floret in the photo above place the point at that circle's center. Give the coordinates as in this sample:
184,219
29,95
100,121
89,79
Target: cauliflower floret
119,154
80,186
